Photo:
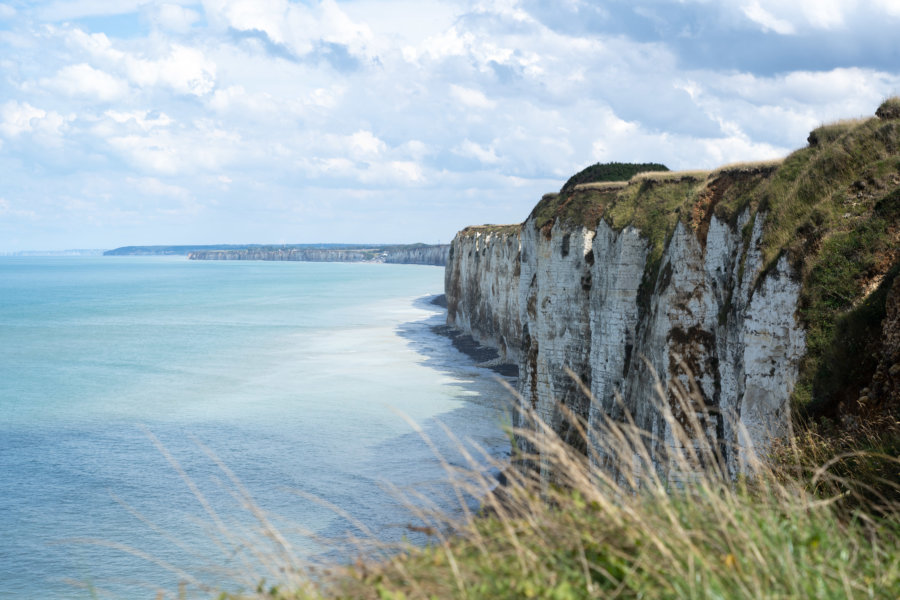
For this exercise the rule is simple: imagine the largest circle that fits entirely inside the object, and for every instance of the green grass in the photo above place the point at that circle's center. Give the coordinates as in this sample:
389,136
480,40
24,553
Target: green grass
629,533
498,229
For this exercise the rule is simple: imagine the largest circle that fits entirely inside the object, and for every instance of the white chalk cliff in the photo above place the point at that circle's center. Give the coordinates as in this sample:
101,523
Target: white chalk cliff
558,295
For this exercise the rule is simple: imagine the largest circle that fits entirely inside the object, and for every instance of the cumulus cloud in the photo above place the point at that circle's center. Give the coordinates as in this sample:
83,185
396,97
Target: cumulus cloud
84,80
470,97
181,68
364,144
755,12
484,155
296,26
185,70
17,119
204,148
173,17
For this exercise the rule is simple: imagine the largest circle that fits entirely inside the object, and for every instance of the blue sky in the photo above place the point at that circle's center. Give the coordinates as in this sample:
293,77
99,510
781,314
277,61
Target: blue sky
237,121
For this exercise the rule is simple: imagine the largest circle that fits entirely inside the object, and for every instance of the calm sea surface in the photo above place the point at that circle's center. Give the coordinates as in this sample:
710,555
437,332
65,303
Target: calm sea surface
293,375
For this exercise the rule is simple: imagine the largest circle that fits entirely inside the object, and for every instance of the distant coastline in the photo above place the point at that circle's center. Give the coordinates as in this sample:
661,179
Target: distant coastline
415,254
419,254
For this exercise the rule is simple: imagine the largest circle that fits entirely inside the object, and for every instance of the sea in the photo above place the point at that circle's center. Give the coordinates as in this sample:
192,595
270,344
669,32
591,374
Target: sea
162,420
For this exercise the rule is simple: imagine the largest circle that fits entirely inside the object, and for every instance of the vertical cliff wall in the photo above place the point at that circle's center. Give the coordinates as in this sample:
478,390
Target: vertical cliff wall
560,296
482,287
710,279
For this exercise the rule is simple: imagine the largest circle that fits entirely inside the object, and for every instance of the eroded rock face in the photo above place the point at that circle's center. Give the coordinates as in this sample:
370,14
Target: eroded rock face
482,287
554,308
573,299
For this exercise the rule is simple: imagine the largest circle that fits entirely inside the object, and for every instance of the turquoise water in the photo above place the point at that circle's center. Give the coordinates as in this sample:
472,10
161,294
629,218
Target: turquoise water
293,375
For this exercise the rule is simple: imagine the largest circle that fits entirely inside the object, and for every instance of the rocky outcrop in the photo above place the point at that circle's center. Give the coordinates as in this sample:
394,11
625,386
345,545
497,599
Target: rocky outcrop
417,254
881,397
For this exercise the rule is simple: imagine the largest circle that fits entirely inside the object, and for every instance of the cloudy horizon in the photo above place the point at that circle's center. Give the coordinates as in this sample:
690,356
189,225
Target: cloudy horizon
143,122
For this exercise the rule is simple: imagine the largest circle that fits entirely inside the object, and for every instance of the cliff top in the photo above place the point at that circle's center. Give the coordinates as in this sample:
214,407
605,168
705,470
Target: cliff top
810,192
490,228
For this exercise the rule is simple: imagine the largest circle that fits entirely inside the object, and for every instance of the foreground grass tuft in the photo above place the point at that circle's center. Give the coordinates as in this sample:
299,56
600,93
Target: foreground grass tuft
614,526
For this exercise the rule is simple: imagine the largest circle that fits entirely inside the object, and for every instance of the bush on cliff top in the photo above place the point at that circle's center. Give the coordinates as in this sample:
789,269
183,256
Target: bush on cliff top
889,109
612,171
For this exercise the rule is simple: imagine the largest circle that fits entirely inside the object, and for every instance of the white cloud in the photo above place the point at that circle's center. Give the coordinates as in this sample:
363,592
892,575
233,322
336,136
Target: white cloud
145,120
203,148
185,70
246,15
98,45
825,14
294,25
21,118
16,118
364,144
790,16
7,11
84,80
470,149
471,97
237,102
175,18
891,7
407,171
756,13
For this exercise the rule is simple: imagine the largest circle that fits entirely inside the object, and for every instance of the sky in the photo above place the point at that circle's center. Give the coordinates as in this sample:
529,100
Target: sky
138,122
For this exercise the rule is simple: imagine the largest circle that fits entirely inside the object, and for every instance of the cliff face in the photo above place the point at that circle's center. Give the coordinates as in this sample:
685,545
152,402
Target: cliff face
710,279
419,254
482,287
570,295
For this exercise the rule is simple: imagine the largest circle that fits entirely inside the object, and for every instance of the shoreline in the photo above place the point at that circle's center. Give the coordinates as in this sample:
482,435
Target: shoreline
483,356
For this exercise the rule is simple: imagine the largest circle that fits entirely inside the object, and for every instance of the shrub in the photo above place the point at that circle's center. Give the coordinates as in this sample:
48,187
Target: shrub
889,109
613,171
